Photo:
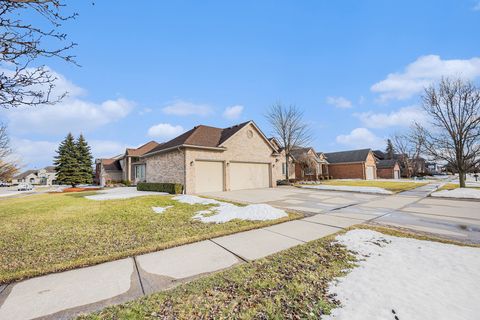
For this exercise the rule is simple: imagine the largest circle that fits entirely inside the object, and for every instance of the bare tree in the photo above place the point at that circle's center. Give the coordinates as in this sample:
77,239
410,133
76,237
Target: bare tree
453,106
22,44
7,167
409,148
288,127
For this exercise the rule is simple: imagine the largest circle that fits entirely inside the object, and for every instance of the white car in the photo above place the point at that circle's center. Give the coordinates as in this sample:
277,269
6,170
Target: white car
24,187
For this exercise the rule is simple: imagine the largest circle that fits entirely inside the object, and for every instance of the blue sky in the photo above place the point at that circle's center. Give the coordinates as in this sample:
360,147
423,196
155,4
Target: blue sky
155,69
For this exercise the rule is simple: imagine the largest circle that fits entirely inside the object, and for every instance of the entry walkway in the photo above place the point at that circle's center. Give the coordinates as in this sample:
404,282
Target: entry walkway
67,294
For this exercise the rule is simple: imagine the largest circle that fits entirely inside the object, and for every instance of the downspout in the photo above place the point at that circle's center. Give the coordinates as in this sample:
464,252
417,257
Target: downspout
184,169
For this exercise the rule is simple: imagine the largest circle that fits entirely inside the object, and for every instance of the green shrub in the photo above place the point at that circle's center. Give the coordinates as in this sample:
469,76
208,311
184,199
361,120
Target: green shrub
173,188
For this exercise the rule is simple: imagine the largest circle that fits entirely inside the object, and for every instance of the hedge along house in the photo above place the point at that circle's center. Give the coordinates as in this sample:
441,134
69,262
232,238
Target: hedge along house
352,164
208,159
388,169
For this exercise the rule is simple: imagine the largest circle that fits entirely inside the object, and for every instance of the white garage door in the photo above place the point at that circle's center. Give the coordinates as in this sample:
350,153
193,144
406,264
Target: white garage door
208,176
370,173
396,174
244,175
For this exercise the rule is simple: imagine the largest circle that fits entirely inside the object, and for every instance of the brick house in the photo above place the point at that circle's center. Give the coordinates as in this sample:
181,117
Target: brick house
124,167
388,169
309,165
45,176
352,164
207,159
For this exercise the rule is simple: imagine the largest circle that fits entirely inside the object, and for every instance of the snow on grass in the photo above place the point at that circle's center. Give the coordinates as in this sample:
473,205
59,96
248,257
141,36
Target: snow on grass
460,193
376,190
161,209
408,278
122,193
224,212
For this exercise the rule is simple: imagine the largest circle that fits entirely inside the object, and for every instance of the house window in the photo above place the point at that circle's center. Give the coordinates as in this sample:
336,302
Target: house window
308,171
284,168
140,172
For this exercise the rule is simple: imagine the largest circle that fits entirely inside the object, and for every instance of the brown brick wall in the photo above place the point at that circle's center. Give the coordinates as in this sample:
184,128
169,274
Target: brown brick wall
385,173
347,171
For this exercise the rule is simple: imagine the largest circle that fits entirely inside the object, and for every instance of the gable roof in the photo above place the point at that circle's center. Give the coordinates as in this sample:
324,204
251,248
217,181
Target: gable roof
140,151
111,164
25,174
348,156
50,169
386,164
379,154
299,151
203,136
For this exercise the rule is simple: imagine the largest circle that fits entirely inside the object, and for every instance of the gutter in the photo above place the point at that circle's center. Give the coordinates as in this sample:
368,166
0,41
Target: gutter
183,146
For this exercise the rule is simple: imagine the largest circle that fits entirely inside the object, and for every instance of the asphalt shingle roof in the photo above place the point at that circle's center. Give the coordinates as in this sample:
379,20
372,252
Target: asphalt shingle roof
386,164
347,156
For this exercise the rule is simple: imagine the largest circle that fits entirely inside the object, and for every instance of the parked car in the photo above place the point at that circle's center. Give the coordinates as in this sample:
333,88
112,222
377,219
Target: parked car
4,184
24,187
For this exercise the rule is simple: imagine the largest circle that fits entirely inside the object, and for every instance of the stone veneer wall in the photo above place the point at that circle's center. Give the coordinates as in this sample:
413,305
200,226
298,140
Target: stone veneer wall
168,167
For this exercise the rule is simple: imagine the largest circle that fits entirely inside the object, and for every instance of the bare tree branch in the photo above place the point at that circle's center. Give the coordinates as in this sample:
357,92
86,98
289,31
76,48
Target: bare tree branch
453,106
288,128
7,167
22,44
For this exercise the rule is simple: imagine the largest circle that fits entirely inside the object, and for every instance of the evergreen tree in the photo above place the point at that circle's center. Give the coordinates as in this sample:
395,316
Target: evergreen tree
85,161
67,162
390,150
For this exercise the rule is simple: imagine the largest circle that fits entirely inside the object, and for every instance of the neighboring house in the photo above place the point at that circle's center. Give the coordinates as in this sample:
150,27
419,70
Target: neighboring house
124,167
388,169
108,170
206,159
309,165
415,166
45,176
281,168
352,164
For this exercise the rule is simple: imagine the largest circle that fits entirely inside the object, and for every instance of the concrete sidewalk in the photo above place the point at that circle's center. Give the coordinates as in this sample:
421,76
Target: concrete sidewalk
67,294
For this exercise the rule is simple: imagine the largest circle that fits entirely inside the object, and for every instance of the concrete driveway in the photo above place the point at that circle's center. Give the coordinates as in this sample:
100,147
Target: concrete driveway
454,219
290,198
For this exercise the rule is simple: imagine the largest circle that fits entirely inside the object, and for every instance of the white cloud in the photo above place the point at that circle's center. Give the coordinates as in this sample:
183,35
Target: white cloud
233,112
477,7
165,130
70,115
403,117
145,111
33,154
421,73
106,148
360,138
185,108
339,102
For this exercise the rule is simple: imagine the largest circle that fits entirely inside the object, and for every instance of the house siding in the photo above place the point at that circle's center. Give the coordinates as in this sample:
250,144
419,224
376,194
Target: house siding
388,173
168,167
239,148
347,170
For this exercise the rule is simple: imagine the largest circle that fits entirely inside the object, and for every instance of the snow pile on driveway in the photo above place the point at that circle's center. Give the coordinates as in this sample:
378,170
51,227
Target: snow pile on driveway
122,193
348,188
408,278
224,212
459,193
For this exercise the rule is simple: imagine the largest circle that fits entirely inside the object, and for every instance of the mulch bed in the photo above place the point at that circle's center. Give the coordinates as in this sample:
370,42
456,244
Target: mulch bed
79,189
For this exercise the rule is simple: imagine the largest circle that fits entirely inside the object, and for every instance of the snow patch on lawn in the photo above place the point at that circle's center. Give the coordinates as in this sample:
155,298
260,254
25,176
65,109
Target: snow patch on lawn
122,193
161,209
460,193
418,280
224,212
376,190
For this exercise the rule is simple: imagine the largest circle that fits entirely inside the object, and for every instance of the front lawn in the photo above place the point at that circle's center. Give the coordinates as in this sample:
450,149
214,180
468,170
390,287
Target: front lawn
453,186
392,186
46,233
292,284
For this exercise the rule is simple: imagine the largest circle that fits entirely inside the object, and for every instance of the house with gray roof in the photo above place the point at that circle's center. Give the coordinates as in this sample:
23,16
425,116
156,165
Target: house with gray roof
45,176
352,164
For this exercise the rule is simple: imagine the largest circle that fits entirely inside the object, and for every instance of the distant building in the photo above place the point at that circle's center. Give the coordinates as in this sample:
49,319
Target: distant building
46,176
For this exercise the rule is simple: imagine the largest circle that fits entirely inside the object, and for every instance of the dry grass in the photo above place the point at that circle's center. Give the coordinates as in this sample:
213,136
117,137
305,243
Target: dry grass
388,185
46,233
453,186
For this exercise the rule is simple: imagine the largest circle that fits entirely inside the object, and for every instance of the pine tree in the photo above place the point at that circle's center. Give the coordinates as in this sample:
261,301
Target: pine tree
389,150
67,164
84,160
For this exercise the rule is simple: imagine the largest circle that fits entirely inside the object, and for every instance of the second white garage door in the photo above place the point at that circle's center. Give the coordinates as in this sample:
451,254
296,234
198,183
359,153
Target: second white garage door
208,176
246,175
370,173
